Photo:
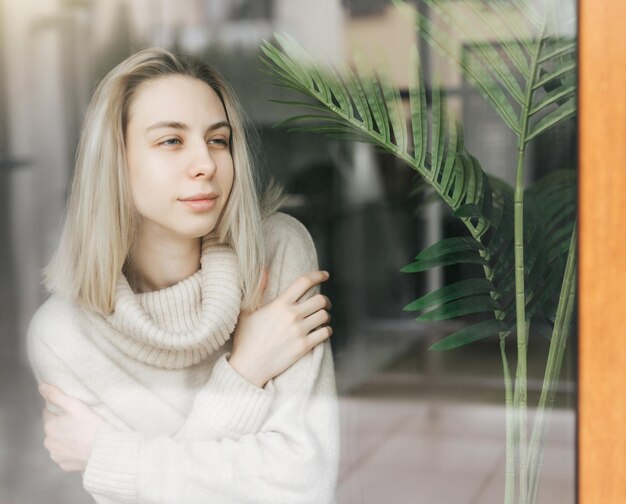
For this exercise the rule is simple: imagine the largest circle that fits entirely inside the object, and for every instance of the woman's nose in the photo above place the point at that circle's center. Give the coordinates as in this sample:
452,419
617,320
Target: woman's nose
203,163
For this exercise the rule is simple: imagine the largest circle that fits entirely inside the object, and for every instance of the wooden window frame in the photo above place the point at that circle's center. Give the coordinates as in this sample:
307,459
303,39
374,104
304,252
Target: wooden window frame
602,261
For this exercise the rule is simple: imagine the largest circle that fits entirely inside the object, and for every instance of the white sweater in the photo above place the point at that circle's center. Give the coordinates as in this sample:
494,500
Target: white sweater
182,426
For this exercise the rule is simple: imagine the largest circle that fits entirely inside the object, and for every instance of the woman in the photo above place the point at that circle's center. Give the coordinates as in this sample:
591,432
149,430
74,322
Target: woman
183,353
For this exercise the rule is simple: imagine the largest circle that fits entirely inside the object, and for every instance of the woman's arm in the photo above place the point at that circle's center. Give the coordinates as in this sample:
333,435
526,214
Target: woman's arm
240,390
234,401
292,459
230,406
292,436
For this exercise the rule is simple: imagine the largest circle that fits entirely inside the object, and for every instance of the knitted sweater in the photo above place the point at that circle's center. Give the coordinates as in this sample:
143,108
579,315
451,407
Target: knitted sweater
182,426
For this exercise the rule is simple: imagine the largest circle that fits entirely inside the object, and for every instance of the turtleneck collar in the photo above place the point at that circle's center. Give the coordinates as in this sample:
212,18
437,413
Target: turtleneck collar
181,325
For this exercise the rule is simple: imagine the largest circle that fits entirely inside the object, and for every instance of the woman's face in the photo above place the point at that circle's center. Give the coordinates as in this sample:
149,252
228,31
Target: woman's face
177,151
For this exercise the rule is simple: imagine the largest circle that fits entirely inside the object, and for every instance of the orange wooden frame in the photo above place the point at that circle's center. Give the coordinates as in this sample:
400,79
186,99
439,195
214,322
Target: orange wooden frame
602,284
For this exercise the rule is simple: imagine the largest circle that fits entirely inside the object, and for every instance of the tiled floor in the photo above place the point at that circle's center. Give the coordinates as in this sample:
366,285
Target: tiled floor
403,451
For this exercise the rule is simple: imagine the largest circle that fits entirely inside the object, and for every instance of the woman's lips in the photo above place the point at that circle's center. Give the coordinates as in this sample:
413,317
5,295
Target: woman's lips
200,205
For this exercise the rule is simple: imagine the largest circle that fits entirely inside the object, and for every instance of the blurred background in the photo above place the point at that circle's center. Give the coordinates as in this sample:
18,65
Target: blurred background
417,426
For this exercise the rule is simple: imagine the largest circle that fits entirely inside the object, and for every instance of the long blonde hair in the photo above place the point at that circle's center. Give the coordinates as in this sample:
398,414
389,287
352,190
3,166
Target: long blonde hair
100,220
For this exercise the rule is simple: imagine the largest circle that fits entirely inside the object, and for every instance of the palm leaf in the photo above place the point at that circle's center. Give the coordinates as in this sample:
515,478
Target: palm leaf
544,260
419,112
521,73
459,307
366,106
470,334
361,105
451,292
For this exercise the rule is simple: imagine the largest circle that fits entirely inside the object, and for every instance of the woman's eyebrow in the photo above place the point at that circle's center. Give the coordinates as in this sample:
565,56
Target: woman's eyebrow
218,125
183,126
168,124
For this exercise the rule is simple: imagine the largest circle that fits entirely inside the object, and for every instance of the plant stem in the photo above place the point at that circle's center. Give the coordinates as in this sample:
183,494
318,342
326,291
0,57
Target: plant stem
509,481
521,399
558,343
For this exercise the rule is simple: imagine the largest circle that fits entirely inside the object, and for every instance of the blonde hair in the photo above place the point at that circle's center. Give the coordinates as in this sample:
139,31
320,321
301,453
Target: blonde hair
101,220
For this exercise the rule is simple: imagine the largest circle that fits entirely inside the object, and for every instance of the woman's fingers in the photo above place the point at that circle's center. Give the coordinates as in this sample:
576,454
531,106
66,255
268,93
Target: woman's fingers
47,415
313,304
316,337
55,396
319,318
302,284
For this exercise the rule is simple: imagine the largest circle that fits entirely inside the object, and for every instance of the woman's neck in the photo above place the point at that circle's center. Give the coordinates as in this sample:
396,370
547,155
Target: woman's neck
156,264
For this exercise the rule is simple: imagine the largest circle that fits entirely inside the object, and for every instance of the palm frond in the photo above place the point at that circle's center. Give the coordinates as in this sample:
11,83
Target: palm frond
546,240
470,334
366,106
521,73
451,292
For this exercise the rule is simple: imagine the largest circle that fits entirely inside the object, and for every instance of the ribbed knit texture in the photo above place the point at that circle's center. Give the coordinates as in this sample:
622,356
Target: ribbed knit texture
124,448
183,324
182,426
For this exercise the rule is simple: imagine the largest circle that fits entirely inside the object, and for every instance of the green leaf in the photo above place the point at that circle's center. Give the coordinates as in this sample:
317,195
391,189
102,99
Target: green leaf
474,191
310,117
470,334
490,60
453,258
511,47
448,246
440,40
438,134
553,96
484,201
550,76
468,210
457,191
443,177
564,112
516,28
395,110
563,48
284,61
419,110
494,95
337,88
358,97
464,306
374,97
451,292
549,287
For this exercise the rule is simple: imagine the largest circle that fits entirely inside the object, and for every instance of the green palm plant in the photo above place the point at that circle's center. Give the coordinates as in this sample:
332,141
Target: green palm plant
524,238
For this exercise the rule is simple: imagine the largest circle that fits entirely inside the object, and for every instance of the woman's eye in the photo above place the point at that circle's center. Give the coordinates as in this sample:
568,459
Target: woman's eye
171,141
219,141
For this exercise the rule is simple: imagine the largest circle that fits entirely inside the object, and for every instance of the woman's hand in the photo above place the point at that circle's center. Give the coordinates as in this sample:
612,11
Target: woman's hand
70,436
269,340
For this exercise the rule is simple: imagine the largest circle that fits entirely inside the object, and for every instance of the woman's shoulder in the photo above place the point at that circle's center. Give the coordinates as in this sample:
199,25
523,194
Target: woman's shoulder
55,344
55,317
289,243
280,226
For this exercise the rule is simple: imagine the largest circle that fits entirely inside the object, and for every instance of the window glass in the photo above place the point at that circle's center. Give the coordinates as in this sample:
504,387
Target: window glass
418,424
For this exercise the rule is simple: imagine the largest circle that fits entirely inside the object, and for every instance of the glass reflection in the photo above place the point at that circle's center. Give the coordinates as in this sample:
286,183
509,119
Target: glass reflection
417,425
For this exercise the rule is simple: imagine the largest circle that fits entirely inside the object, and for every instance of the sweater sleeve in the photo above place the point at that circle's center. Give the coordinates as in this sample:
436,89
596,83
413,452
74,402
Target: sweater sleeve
240,444
228,405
